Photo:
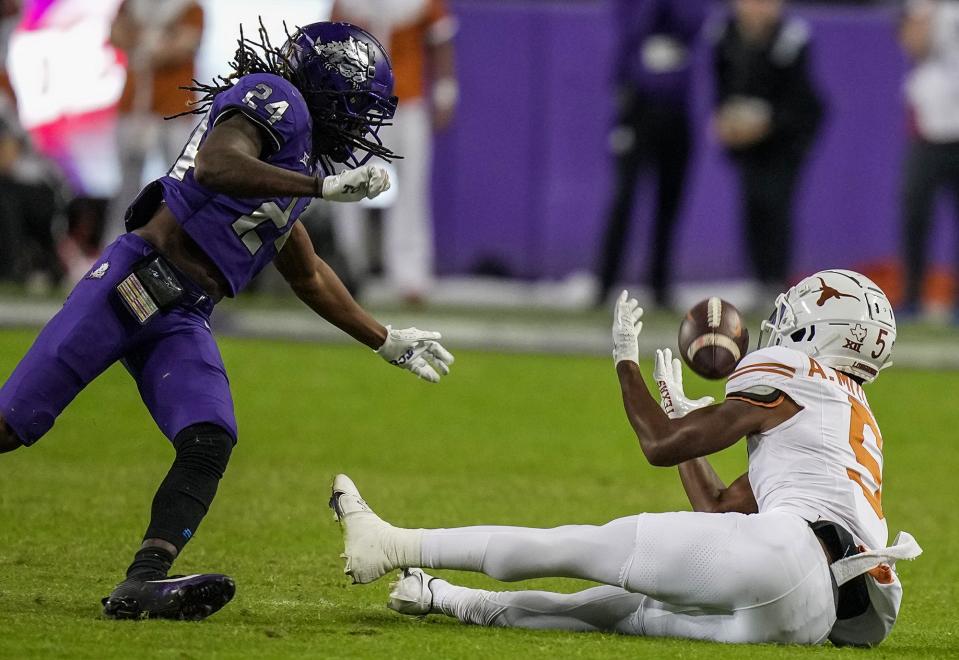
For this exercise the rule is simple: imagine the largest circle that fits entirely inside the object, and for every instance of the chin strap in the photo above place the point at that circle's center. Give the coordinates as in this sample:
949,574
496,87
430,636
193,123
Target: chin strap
903,547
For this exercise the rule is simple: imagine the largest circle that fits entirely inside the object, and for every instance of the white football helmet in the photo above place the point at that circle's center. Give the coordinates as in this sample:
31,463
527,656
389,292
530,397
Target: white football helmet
839,317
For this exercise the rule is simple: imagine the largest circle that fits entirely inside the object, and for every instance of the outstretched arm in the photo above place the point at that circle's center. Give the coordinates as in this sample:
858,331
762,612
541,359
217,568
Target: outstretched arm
315,283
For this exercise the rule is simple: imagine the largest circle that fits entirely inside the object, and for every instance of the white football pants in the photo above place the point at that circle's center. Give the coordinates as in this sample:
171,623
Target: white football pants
722,577
407,224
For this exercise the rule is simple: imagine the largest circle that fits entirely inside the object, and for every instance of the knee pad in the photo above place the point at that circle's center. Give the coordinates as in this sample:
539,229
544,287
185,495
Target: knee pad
205,448
9,440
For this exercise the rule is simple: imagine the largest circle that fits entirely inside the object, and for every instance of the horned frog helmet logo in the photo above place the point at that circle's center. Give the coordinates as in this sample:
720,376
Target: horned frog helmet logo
352,59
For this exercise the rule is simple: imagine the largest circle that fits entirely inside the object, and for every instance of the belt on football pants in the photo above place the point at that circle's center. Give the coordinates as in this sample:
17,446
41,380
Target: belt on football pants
848,564
154,286
852,598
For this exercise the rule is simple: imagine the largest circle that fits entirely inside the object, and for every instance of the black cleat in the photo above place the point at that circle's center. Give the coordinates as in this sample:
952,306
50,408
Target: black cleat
185,598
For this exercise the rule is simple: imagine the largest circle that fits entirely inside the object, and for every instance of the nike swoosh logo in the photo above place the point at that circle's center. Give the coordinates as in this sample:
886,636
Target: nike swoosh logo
179,579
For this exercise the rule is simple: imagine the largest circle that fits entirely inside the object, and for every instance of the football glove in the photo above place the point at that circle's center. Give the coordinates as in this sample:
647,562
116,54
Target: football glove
353,185
668,374
417,351
626,329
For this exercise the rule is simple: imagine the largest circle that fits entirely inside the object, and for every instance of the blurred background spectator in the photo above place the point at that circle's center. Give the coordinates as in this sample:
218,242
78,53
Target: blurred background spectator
9,17
524,194
79,246
653,80
767,114
930,36
418,34
31,199
160,39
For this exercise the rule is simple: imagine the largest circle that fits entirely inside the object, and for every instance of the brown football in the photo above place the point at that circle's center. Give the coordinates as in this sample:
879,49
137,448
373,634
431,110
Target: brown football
713,338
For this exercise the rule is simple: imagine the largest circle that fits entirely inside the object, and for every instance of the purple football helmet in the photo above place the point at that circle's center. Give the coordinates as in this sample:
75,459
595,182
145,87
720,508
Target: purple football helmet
346,78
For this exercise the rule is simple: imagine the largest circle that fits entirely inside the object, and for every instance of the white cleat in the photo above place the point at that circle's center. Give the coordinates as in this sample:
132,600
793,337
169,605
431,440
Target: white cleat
411,593
369,542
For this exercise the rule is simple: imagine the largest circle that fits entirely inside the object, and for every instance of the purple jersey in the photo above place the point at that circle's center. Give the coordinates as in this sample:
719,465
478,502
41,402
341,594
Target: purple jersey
242,235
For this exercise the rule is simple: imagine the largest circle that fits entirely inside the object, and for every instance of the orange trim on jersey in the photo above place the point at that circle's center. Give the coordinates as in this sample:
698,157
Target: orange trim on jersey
771,404
757,365
752,370
874,499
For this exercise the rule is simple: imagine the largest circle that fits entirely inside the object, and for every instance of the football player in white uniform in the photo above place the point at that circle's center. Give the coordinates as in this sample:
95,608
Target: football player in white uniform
791,552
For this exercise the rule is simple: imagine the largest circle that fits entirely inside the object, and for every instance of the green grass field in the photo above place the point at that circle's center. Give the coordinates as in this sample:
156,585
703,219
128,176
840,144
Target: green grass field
524,440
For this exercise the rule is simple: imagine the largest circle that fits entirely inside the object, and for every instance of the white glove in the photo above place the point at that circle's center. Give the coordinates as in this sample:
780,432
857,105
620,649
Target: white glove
668,374
417,351
353,185
626,329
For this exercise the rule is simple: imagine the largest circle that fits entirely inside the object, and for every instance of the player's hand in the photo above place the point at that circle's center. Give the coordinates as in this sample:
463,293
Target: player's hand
668,374
626,329
353,185
418,351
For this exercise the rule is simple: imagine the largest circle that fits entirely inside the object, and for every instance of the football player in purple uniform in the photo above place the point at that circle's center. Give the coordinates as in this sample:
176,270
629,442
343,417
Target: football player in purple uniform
264,149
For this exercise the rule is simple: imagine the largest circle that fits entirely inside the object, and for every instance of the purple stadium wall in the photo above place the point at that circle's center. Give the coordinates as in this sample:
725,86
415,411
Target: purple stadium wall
523,178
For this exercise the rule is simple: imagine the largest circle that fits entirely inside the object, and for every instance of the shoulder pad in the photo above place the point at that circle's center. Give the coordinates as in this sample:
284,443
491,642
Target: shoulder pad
771,366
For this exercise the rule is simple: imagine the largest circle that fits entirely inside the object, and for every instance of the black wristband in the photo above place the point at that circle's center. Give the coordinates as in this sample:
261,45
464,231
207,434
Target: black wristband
319,186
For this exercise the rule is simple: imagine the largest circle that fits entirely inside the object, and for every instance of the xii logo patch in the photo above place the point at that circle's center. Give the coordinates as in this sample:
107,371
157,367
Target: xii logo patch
857,336
852,345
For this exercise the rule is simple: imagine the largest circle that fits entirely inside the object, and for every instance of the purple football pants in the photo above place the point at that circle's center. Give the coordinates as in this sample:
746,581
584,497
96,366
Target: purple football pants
173,357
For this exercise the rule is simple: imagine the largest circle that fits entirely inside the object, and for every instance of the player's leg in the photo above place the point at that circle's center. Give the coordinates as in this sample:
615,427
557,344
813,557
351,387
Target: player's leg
755,215
183,382
605,608
600,609
612,609
88,334
373,547
722,577
719,562
135,137
408,225
630,143
921,179
951,172
778,196
672,158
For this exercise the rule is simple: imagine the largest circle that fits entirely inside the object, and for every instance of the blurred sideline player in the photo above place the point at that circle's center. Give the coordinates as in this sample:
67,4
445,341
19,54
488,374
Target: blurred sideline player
227,208
160,40
814,480
767,115
419,37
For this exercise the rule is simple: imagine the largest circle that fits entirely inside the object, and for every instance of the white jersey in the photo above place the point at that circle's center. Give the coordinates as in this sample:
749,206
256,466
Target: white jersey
824,463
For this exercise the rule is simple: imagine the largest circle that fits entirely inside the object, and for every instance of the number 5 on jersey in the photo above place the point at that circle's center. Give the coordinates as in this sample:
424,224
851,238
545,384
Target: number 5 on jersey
863,431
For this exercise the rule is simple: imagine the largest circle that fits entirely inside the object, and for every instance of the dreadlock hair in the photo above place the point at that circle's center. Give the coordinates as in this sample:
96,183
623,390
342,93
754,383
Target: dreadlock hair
247,59
331,133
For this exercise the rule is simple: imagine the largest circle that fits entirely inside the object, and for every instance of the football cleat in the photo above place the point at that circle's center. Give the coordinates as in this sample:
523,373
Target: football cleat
411,593
182,597
372,547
